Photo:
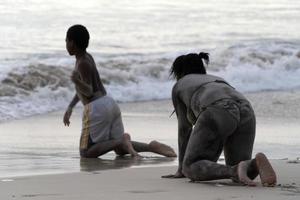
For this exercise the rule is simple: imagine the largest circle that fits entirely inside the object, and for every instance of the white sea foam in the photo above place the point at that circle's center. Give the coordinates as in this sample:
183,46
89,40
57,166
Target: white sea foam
259,66
41,84
134,58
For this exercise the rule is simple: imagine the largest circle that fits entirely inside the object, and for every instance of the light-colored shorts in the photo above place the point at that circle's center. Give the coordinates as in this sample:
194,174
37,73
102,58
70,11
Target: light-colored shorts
101,121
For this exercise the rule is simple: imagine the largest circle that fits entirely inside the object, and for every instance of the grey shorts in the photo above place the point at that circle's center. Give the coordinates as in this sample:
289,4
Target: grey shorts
101,121
240,110
227,125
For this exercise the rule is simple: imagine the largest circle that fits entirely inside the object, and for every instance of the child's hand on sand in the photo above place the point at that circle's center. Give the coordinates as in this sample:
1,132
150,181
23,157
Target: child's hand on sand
178,174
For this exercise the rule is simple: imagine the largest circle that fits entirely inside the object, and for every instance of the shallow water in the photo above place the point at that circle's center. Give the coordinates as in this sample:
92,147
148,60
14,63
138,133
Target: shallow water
41,144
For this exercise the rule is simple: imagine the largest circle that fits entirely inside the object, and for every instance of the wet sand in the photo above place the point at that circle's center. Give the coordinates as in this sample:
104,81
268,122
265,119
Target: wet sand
145,183
41,145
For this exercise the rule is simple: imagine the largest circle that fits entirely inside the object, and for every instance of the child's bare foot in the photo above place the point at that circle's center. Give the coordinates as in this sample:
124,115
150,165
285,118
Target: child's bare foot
128,146
161,149
266,172
242,174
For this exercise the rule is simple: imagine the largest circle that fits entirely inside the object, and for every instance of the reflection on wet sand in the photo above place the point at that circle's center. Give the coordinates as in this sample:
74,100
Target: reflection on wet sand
97,164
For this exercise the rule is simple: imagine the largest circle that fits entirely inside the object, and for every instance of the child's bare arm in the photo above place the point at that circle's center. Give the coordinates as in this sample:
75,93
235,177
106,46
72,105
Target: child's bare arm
82,79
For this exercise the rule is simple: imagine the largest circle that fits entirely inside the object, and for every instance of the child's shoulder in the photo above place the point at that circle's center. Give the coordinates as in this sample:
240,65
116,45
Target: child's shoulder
84,63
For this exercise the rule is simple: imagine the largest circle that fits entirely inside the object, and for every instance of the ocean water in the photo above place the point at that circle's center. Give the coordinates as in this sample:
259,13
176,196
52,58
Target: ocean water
255,45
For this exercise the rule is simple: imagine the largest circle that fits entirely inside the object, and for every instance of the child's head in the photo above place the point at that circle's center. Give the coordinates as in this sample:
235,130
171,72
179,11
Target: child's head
79,36
189,64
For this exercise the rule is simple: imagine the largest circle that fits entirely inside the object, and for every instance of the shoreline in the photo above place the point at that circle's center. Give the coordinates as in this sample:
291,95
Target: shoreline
41,144
145,183
263,102
98,165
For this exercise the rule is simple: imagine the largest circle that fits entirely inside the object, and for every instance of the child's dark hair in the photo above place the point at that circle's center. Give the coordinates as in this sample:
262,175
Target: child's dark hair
80,35
189,64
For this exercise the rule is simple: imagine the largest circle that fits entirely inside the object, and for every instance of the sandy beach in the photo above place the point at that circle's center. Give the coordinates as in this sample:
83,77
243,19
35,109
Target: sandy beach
254,45
40,160
145,183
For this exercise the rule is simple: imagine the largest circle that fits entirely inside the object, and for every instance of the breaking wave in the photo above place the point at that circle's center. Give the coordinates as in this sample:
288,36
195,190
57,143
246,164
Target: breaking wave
40,83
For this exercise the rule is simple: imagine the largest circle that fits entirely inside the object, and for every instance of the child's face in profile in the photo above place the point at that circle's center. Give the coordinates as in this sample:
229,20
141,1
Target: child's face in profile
69,46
